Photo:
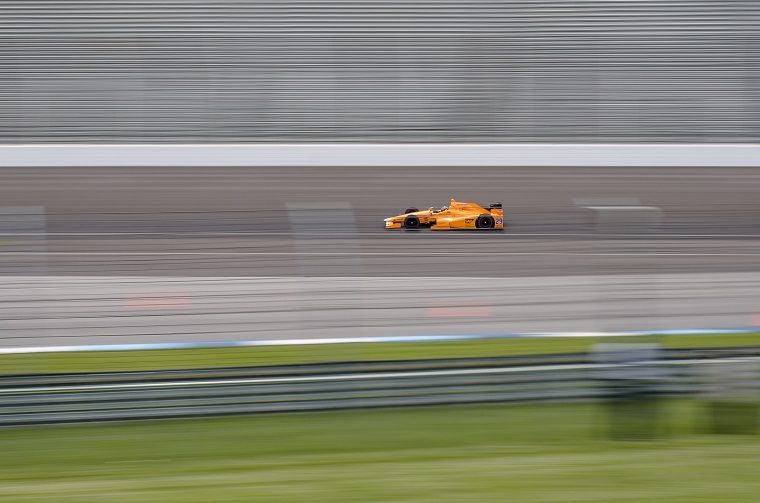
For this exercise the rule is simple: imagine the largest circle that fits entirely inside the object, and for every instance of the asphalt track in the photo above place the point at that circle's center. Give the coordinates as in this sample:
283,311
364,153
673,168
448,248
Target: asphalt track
295,223
114,310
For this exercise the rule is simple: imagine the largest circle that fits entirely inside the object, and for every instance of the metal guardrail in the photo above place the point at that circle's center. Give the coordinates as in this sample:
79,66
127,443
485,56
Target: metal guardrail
46,399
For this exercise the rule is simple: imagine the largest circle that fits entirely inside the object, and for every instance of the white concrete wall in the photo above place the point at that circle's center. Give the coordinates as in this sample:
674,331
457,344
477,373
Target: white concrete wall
709,155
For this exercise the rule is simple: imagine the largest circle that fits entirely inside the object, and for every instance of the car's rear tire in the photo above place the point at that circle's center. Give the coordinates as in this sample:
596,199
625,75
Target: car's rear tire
410,210
485,222
411,222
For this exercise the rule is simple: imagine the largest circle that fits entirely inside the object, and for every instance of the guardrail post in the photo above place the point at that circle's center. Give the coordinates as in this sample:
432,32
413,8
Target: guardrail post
731,397
631,377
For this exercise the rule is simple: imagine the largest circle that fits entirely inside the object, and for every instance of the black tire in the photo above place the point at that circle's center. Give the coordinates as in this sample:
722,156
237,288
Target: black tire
485,222
410,210
411,222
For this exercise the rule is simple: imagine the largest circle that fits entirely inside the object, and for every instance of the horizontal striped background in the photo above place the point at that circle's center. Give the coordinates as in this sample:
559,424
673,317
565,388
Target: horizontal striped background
379,70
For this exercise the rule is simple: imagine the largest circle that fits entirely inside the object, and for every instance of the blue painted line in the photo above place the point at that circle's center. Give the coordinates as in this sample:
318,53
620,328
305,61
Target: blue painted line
366,340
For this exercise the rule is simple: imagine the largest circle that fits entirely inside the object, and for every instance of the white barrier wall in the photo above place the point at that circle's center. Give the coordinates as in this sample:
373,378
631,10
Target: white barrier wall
708,155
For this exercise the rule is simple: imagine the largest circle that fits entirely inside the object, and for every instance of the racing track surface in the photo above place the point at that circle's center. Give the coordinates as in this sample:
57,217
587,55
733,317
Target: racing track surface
87,234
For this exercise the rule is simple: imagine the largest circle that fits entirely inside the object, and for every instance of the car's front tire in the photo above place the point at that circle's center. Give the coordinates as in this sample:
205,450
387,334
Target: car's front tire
411,222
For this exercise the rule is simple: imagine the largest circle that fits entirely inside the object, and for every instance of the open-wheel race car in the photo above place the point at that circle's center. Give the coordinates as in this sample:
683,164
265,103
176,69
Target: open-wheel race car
457,215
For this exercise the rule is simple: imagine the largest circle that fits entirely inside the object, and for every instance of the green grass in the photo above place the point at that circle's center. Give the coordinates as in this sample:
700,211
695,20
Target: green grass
520,453
276,355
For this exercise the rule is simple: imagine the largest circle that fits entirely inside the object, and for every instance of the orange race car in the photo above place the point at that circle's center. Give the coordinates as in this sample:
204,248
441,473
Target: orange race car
456,215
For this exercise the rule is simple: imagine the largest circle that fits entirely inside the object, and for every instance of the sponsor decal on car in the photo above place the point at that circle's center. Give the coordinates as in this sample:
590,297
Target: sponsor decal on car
499,221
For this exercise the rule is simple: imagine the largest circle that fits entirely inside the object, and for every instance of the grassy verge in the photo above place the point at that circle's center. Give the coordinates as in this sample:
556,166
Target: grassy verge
525,453
279,355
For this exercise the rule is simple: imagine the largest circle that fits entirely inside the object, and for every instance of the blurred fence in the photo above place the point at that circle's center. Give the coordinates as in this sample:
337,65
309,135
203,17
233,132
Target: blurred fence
143,395
325,70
